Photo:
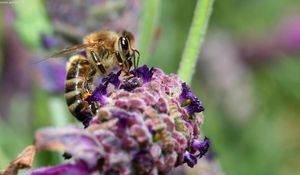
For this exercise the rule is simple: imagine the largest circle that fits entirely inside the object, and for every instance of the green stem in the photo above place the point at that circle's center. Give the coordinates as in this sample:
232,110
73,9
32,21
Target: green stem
195,39
147,26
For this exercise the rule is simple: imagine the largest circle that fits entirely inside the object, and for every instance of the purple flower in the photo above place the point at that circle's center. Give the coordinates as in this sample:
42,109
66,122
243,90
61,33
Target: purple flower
131,84
190,159
189,100
123,120
202,147
143,72
72,168
140,127
48,42
112,78
98,94
54,75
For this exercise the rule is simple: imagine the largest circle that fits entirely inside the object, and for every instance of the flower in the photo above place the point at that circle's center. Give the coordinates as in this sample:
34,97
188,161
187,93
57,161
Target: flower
189,101
98,94
48,42
190,159
201,147
140,127
143,72
53,75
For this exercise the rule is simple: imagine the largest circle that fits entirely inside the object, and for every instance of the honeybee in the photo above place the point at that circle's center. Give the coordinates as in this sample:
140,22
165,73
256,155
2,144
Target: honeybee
104,51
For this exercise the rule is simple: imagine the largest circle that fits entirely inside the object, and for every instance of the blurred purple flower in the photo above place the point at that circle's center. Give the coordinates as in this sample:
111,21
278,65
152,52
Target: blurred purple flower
289,34
72,168
53,75
282,39
82,17
47,41
141,131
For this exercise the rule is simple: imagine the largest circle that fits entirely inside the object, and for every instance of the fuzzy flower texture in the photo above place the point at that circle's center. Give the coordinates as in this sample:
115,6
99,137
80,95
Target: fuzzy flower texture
146,124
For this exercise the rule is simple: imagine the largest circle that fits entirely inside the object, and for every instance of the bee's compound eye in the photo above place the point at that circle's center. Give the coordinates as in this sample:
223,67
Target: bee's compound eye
124,43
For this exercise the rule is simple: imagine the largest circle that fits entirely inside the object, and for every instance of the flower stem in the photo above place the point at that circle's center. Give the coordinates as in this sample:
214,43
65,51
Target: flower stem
195,39
147,26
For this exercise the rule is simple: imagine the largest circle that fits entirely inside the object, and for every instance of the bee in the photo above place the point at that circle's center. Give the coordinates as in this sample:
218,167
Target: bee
104,51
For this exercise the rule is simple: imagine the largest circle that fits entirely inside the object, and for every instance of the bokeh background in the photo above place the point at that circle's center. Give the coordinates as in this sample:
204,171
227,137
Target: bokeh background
247,76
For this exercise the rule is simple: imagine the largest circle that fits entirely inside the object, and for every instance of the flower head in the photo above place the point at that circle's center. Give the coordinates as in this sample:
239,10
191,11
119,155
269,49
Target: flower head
140,127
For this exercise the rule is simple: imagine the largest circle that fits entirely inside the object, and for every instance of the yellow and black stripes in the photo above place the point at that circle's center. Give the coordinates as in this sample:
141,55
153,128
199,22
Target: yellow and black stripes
79,83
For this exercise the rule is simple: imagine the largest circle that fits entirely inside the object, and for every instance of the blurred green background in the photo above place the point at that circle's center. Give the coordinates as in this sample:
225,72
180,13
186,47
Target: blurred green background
247,76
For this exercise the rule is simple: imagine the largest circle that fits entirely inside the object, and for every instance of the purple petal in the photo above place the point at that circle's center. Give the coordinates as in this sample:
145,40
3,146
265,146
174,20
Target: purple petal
189,100
195,106
186,93
190,159
48,42
113,79
143,72
72,168
130,85
53,76
98,95
202,147
123,117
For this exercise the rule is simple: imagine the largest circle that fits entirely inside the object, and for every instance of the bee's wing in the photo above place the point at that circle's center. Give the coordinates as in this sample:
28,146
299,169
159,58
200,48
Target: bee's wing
70,49
75,48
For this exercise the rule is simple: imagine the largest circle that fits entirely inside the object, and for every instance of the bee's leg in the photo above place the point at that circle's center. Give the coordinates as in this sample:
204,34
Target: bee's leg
87,87
119,59
95,57
94,106
87,109
104,53
97,61
101,68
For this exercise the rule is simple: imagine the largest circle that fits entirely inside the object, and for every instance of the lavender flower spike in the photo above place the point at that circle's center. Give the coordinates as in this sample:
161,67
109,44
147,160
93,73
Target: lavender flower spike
142,128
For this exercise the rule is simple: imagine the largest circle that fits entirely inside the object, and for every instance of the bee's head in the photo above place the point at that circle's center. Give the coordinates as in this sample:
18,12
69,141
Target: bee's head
126,49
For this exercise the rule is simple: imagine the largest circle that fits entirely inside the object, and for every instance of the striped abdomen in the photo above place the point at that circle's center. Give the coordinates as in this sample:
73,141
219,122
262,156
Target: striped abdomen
79,83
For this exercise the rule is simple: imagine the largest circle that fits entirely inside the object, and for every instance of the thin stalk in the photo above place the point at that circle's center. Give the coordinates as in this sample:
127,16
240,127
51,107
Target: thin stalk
147,26
195,39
